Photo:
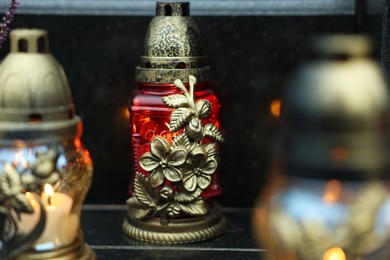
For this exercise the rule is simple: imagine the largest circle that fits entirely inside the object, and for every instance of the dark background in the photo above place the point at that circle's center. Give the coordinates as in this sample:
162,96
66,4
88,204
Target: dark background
251,58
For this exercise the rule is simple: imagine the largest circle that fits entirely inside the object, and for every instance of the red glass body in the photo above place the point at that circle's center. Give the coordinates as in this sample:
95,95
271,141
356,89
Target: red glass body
150,117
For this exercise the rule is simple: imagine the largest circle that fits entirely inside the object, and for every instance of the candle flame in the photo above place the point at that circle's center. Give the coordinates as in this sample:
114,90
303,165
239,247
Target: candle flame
334,253
48,192
332,191
275,107
49,189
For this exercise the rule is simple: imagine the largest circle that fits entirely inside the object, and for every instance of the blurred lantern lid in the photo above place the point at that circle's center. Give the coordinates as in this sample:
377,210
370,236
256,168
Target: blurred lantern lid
35,98
336,113
173,47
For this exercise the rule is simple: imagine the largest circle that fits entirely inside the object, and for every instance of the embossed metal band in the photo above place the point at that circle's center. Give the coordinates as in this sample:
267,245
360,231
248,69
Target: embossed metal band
167,76
179,231
54,130
173,62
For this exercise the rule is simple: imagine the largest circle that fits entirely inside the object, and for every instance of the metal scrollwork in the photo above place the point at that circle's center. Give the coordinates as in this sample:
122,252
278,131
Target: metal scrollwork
181,171
14,201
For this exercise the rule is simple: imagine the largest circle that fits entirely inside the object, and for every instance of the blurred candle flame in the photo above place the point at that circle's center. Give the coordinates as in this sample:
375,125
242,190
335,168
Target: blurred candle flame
332,191
49,192
49,189
275,107
339,154
334,253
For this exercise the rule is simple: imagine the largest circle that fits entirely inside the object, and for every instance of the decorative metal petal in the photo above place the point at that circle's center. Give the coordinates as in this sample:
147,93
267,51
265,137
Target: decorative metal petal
156,177
194,128
179,84
211,131
181,140
175,101
187,170
53,178
148,162
177,157
203,107
21,204
203,181
211,149
190,183
172,174
198,157
195,208
44,167
167,193
144,191
10,183
160,147
210,166
179,118
192,80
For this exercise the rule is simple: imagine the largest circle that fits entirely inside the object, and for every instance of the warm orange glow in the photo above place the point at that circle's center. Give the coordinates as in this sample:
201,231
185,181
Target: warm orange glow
87,157
125,112
275,107
332,191
339,153
77,143
334,253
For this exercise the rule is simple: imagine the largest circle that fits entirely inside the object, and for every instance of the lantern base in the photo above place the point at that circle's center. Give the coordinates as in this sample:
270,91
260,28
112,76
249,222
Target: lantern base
78,250
179,230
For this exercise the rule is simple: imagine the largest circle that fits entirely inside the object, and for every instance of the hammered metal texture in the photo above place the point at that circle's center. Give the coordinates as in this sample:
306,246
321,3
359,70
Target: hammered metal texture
173,47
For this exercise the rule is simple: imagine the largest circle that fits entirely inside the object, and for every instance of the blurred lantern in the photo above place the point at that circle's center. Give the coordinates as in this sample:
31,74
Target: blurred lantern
328,196
45,172
174,133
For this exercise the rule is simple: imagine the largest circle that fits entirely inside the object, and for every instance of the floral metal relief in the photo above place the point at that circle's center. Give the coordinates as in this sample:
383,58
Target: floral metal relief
14,201
357,237
179,171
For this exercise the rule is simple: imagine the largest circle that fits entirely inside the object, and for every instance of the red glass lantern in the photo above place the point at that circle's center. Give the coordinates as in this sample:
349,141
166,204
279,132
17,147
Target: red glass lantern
150,117
173,56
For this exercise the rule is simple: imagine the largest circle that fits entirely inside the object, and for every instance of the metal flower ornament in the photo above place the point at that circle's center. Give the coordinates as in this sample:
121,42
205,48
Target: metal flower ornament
178,172
21,184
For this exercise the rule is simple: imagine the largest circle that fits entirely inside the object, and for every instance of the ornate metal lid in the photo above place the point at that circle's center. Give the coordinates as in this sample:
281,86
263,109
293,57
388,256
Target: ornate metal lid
173,47
336,112
35,98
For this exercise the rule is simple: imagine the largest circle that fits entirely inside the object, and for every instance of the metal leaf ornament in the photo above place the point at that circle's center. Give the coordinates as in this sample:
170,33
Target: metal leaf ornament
13,201
177,174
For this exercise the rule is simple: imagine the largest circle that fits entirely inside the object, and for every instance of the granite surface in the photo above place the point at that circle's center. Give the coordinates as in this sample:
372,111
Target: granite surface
102,231
251,58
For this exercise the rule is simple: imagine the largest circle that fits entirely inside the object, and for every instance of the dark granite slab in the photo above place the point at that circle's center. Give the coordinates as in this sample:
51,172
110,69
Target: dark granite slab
102,230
